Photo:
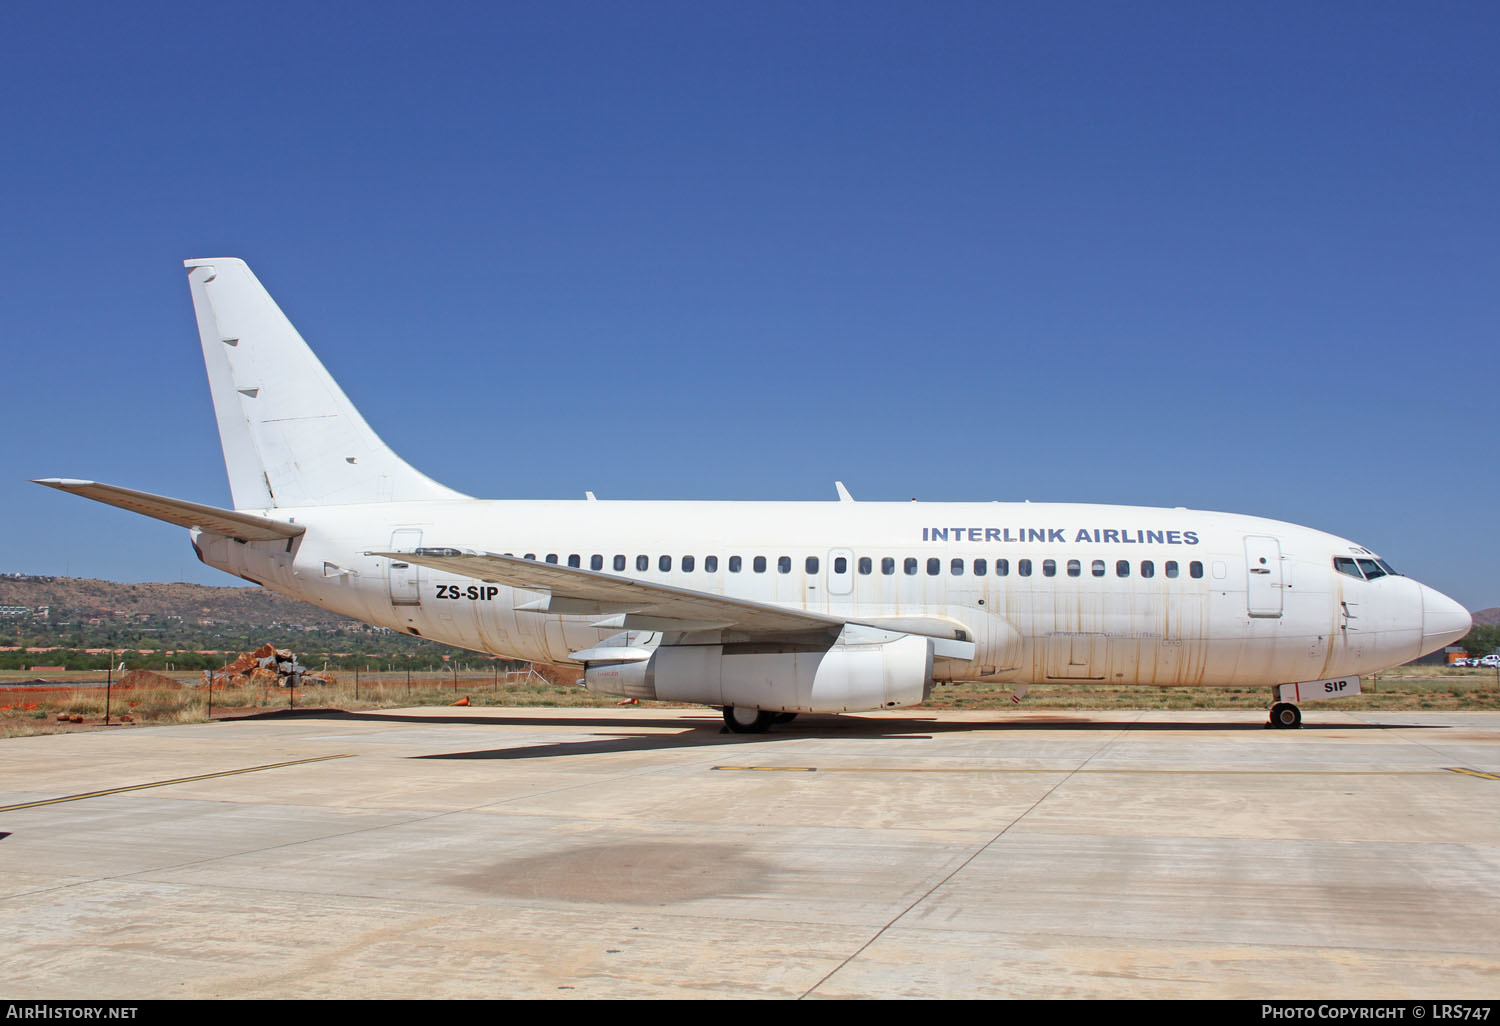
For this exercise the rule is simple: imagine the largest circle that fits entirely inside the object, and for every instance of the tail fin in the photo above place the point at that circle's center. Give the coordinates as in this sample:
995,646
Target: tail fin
290,435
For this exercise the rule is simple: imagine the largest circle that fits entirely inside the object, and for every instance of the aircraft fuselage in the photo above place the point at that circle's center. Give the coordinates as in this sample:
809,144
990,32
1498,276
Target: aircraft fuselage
1046,592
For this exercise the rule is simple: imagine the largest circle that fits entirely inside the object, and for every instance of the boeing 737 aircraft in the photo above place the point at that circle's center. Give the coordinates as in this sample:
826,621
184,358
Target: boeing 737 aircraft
767,609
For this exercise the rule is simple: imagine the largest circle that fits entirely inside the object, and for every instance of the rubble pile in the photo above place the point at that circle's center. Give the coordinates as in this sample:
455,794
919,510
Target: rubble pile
146,679
267,665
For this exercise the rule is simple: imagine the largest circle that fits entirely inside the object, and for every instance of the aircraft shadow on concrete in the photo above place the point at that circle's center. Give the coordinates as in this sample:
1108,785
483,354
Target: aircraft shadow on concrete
708,730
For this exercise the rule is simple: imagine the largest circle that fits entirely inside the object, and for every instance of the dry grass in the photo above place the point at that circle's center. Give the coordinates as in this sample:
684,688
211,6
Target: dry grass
1436,691
26,711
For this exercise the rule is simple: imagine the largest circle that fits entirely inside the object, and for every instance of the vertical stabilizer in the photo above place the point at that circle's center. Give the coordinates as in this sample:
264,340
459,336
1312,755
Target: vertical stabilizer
290,435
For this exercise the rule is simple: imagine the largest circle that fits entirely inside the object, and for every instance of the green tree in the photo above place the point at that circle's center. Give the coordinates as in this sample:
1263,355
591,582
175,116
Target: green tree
1482,640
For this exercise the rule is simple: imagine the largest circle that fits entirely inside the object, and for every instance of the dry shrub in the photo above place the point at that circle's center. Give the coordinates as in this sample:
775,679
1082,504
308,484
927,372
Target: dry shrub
147,679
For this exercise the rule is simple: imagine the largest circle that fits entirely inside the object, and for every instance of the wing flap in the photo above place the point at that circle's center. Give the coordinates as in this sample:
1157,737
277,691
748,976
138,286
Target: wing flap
230,523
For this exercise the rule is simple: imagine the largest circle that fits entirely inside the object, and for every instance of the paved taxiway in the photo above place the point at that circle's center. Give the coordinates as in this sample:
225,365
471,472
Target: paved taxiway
643,853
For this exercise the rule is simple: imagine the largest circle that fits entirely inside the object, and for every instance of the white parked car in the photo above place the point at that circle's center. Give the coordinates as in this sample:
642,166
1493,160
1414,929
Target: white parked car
1493,659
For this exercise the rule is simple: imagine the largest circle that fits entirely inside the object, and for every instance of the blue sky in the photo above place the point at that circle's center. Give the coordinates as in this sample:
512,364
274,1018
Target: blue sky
1236,257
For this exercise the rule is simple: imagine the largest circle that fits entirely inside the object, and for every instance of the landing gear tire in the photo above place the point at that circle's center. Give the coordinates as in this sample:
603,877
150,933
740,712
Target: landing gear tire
1286,716
744,720
784,717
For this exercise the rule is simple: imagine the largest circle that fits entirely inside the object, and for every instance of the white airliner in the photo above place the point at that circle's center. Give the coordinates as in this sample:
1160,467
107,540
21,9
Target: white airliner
767,609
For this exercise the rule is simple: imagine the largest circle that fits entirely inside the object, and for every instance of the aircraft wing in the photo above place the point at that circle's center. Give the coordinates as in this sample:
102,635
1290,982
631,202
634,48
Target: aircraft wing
228,522
624,602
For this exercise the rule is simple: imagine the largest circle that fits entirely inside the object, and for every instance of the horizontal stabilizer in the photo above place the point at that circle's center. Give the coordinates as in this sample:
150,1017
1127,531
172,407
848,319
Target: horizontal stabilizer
243,526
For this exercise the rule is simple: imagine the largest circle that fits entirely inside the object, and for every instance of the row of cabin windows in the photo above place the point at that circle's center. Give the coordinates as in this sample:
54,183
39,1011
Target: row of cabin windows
910,566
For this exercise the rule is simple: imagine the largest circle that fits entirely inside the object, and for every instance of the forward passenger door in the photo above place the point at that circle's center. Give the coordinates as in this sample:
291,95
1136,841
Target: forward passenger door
1263,583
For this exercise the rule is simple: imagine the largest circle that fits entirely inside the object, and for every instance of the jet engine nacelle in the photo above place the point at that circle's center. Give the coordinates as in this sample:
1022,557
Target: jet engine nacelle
864,669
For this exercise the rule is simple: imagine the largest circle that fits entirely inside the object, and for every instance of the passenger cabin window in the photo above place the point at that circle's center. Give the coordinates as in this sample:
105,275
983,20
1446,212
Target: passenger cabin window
1148,568
888,565
784,565
1002,568
865,565
1171,568
956,568
1122,568
552,557
531,556
575,560
664,564
934,566
981,567
619,562
1023,567
1075,568
759,564
643,562
688,562
596,562
840,565
812,564
910,565
734,564
1049,568
711,564
1195,569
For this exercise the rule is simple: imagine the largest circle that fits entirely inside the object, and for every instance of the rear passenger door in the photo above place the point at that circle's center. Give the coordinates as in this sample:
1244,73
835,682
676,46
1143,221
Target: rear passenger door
404,580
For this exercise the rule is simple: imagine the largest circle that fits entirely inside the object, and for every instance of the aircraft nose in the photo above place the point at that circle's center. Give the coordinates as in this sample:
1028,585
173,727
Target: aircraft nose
1443,620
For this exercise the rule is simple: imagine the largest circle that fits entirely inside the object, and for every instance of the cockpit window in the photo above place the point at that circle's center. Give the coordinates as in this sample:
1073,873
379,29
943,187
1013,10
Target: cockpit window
1371,570
1386,567
1345,565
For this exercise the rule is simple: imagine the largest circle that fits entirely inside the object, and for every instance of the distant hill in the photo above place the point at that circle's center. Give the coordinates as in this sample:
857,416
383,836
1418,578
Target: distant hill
75,599
1487,617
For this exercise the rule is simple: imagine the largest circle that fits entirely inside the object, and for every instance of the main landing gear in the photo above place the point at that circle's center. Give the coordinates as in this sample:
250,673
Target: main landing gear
1286,716
743,720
